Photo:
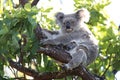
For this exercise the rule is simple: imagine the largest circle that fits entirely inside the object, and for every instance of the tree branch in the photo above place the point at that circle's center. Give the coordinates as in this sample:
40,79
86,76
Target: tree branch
58,55
23,2
23,69
34,2
80,71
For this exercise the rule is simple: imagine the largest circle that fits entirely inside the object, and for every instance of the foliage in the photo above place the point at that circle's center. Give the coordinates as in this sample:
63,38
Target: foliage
14,22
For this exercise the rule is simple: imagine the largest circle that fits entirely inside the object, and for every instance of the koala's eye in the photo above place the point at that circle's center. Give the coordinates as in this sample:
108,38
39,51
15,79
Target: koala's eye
64,23
61,17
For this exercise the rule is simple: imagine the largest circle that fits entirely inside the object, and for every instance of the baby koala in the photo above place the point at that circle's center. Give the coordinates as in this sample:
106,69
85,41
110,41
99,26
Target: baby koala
79,41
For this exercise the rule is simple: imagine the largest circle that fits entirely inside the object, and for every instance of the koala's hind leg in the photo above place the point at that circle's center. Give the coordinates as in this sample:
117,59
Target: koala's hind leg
80,57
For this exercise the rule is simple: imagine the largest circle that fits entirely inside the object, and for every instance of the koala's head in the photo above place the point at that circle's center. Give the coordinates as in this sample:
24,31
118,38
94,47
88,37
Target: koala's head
72,22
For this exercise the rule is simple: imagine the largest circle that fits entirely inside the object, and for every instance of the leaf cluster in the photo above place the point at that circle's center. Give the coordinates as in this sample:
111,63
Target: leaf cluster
17,24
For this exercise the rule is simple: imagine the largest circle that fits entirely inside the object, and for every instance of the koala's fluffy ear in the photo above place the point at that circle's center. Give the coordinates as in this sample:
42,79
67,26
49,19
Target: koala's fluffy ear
59,16
83,14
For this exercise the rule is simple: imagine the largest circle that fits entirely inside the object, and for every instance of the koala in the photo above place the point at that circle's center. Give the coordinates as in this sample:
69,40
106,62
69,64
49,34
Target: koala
74,34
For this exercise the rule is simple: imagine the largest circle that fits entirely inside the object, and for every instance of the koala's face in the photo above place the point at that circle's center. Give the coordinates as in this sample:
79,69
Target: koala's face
71,22
68,23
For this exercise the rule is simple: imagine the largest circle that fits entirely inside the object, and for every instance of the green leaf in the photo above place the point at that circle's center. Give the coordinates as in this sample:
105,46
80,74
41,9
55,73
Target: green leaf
1,24
32,21
3,31
116,65
45,59
15,21
1,68
27,7
34,47
34,9
15,42
48,9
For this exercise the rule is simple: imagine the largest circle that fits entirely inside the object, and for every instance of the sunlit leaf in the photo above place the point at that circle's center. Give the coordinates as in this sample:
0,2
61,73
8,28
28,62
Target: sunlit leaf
27,7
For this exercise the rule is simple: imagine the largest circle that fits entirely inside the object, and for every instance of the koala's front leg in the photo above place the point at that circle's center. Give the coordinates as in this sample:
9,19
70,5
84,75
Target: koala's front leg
49,36
51,42
80,57
58,40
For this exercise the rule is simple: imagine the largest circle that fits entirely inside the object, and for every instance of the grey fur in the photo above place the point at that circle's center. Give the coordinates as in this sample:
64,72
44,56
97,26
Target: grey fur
73,29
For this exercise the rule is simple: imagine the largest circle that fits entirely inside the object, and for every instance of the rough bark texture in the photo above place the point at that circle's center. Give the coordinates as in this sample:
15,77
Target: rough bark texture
80,71
34,2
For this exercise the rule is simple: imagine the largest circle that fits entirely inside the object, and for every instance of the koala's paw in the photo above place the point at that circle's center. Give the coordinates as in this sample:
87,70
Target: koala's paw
66,67
70,46
63,67
48,42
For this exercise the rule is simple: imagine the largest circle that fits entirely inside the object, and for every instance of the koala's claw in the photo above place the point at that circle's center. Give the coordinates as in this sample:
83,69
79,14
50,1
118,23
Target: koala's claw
70,46
47,42
63,67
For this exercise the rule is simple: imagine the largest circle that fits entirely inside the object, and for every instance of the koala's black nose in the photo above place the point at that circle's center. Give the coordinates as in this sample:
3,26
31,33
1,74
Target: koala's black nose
68,25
